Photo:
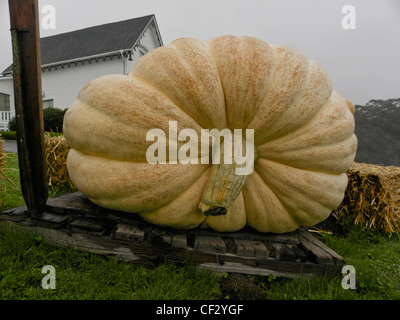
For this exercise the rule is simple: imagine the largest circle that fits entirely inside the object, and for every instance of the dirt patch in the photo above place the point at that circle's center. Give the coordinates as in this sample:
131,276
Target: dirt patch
241,287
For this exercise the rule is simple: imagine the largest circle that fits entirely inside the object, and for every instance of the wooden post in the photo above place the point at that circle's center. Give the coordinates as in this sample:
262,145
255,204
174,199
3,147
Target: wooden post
24,19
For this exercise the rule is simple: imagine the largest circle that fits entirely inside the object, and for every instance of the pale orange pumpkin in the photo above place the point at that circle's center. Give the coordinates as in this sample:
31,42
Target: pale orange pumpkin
303,133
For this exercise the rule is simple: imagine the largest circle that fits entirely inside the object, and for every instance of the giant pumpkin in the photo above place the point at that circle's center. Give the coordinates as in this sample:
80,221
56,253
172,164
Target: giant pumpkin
303,136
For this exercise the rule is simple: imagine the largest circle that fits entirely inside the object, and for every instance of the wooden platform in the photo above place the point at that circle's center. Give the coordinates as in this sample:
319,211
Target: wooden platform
72,220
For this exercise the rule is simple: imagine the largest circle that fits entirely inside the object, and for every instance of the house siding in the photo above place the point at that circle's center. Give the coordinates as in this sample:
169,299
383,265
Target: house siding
149,41
63,85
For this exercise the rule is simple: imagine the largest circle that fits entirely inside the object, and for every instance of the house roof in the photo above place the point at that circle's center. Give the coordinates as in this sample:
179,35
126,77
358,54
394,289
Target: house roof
91,41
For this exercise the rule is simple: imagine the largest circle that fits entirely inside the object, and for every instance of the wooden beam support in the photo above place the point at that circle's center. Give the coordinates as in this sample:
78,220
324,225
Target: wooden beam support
24,18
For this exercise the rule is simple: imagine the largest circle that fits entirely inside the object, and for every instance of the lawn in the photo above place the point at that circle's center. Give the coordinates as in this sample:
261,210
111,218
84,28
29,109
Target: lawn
82,275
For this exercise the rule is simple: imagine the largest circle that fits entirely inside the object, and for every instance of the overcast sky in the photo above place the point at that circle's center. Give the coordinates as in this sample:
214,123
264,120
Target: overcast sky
363,63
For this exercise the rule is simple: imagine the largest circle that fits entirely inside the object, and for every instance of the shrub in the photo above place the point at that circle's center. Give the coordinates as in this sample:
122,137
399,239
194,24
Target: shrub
9,135
53,119
12,124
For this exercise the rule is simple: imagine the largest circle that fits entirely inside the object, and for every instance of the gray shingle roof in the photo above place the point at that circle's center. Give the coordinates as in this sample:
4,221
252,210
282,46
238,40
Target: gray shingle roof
91,41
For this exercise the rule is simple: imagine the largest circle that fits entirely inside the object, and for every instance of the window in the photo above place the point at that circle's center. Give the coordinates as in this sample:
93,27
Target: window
48,104
4,102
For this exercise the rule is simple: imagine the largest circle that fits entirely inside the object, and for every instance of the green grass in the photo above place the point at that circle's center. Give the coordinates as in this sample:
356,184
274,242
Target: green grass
10,184
376,260
82,275
11,188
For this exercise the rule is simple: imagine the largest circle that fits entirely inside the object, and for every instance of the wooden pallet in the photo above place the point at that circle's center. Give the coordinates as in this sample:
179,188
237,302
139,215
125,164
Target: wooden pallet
72,220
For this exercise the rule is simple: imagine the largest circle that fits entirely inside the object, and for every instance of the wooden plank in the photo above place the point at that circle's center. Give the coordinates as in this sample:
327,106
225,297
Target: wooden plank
301,256
260,250
306,235
251,234
244,248
179,240
316,254
24,23
50,220
209,244
128,232
235,267
85,242
294,255
145,252
17,215
167,239
89,226
284,252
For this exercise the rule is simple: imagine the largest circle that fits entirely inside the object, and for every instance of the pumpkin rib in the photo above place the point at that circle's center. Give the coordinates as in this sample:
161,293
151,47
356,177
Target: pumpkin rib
105,180
292,123
288,211
315,144
172,199
104,151
219,74
324,202
262,123
161,92
253,61
314,150
268,86
270,223
125,136
267,89
286,122
272,77
183,57
181,212
163,68
315,118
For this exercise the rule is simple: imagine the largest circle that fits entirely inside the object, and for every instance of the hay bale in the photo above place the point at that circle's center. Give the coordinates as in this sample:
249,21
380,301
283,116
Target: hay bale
56,151
372,198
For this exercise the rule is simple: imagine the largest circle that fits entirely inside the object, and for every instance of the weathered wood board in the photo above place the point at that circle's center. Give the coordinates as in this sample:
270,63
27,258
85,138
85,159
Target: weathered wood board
72,220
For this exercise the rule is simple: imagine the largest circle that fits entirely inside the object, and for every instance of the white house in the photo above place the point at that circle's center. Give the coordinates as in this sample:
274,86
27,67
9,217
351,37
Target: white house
69,60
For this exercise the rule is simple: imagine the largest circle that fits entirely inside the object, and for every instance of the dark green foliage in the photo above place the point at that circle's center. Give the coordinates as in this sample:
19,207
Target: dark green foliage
12,135
378,132
12,124
53,119
8,135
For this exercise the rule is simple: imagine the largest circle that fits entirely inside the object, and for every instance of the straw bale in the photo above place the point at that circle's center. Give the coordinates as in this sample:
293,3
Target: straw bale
372,198
56,151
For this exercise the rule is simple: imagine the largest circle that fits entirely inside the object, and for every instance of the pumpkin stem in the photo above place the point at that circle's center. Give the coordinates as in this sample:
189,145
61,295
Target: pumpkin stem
228,176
